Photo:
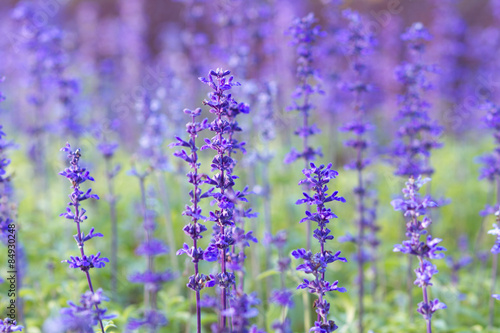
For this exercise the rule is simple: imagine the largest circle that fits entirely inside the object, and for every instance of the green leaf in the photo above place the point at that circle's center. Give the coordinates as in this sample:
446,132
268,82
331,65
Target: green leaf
267,273
108,325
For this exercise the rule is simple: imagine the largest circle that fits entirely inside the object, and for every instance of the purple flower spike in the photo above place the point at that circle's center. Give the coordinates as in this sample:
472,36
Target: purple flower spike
151,278
418,134
195,229
315,264
414,208
229,238
358,41
84,317
305,33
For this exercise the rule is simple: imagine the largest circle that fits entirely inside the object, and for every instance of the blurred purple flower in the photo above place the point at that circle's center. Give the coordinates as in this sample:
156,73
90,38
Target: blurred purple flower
414,209
9,325
77,176
417,135
305,33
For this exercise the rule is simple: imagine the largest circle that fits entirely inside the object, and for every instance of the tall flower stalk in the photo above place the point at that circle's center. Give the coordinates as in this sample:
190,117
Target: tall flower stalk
195,229
152,279
359,41
316,264
219,101
414,208
227,234
75,212
154,123
305,33
417,135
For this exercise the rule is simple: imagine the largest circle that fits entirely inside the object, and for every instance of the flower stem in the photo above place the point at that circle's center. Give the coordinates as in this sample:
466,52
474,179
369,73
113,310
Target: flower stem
80,245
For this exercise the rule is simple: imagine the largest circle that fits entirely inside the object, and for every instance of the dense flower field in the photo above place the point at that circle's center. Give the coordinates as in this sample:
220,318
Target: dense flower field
249,166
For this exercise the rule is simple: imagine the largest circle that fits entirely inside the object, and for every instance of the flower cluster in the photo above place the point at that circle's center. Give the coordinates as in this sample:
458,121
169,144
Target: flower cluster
8,325
229,232
78,175
417,136
241,237
414,207
316,264
82,317
223,181
195,229
305,34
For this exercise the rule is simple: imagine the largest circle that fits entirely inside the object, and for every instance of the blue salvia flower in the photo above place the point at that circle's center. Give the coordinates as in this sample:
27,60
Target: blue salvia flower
282,296
417,136
414,208
241,304
359,42
305,33
78,316
195,229
224,107
316,264
8,325
71,120
153,136
241,238
152,279
78,175
241,309
154,133
448,49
